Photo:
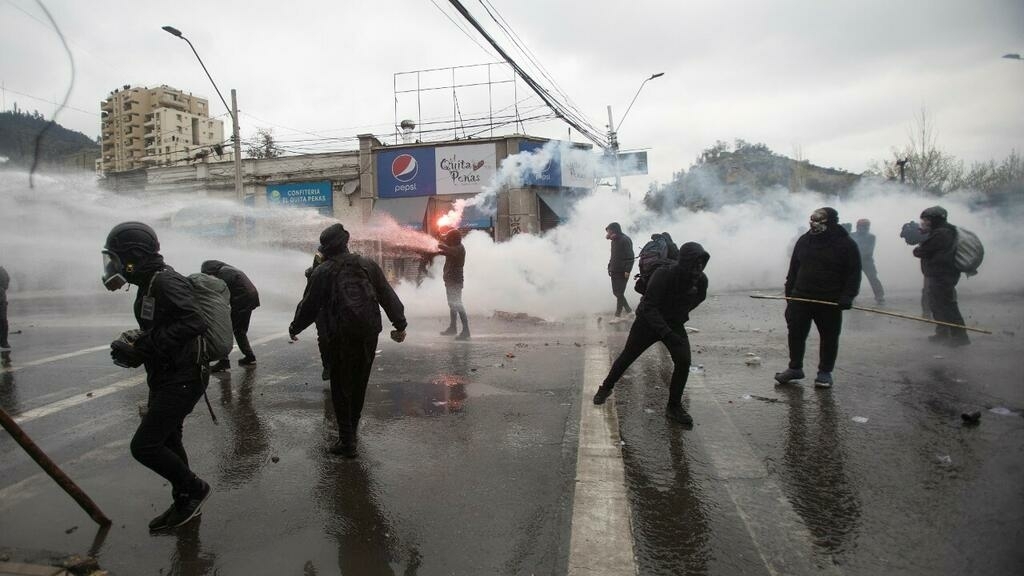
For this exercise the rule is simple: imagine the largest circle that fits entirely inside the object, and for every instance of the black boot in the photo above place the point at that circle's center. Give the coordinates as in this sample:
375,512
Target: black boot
677,413
222,365
451,325
465,327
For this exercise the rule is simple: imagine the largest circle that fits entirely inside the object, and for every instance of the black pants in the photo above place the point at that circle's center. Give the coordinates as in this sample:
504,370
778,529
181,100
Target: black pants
942,299
4,326
619,282
640,338
828,320
926,305
240,326
157,442
351,362
868,266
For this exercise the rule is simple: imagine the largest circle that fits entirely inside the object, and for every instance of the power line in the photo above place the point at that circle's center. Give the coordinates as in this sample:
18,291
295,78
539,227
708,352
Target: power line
463,30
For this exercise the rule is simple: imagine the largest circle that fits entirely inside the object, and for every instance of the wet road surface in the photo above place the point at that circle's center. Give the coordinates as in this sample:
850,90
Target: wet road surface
469,452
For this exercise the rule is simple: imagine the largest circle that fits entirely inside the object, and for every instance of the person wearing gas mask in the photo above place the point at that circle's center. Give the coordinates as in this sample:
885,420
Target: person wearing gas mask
672,293
167,344
244,299
347,292
620,265
866,244
454,263
938,264
825,266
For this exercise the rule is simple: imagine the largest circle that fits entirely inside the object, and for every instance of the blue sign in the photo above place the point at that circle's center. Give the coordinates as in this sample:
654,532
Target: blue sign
552,174
303,194
405,173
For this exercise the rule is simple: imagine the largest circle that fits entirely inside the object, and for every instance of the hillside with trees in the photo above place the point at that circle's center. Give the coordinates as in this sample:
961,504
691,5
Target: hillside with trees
18,133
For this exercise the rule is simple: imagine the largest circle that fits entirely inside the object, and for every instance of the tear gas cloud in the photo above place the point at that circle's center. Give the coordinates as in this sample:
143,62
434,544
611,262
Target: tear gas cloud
51,236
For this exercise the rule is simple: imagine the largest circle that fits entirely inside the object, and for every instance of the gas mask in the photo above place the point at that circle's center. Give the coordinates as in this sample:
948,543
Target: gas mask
113,271
819,221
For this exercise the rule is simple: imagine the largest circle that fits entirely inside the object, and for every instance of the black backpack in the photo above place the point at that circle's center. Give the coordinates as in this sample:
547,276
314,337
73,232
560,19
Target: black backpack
653,255
352,307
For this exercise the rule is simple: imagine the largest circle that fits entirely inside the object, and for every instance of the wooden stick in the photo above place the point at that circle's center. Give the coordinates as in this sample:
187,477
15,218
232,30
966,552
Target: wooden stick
875,310
51,468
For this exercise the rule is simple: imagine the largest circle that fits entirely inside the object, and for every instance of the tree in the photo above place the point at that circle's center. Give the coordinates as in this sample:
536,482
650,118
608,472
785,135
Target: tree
926,166
263,145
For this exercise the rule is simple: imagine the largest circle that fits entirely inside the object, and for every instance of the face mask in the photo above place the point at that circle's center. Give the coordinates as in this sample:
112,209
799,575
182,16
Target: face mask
113,272
819,222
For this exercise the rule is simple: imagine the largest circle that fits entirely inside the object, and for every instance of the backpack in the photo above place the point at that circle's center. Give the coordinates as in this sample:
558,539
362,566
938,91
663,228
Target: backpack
969,251
213,299
352,307
653,255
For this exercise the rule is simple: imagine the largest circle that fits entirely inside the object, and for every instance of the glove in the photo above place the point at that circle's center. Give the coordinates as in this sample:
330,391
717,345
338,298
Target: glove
124,354
845,302
398,335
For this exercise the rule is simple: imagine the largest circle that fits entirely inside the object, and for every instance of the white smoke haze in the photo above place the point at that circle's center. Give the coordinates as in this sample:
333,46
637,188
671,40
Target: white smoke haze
50,240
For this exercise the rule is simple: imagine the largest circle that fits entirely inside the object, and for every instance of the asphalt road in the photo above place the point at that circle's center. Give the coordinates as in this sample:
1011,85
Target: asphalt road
470,463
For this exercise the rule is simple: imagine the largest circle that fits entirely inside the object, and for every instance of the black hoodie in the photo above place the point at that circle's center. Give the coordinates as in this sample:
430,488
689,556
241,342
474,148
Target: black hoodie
454,258
675,290
825,266
244,295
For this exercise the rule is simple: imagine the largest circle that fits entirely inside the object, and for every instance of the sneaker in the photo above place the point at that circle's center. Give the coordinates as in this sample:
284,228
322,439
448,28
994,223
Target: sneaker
189,506
247,361
344,449
463,336
160,522
823,380
789,375
449,332
601,395
221,366
679,414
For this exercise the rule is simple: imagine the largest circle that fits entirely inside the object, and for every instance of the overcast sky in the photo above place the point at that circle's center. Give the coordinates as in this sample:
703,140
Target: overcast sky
841,80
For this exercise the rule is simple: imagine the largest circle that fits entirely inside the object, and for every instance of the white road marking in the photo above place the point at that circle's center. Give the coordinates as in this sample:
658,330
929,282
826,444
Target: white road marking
77,399
56,358
602,540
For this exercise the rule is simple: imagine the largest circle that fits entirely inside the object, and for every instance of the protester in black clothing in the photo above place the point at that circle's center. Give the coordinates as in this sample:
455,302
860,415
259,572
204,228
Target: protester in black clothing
5,283
347,291
825,266
620,265
244,299
938,263
866,244
672,251
321,332
168,345
454,263
661,317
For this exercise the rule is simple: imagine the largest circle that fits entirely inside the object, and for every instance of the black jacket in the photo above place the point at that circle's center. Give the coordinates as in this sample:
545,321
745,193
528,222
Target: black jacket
825,266
244,295
321,284
866,244
622,257
169,343
454,263
674,291
5,283
938,252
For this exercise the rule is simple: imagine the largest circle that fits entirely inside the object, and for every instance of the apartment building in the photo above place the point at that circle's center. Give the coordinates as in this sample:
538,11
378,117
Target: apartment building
143,127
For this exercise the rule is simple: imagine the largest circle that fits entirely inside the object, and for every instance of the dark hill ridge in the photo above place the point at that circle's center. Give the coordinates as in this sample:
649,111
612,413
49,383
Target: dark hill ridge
18,131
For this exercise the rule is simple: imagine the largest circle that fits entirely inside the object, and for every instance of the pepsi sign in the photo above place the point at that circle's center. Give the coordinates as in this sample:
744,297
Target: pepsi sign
406,173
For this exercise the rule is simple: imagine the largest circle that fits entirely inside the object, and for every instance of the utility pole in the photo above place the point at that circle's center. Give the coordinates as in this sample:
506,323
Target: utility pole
613,145
239,193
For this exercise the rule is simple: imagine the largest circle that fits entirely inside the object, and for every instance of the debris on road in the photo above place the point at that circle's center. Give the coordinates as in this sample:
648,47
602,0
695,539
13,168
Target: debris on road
753,361
692,330
698,369
1002,411
971,419
859,419
517,317
509,355
275,459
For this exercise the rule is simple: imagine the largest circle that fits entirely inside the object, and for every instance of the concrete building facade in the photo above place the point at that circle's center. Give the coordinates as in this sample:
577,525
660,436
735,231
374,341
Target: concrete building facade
149,127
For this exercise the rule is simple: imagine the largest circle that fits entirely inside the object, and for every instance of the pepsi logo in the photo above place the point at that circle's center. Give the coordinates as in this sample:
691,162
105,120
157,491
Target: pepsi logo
404,168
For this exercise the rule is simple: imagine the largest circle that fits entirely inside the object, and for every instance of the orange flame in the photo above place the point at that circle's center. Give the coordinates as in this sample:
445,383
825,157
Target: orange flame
449,220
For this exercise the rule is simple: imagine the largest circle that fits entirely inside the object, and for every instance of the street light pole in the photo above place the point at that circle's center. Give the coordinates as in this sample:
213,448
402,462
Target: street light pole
233,110
613,130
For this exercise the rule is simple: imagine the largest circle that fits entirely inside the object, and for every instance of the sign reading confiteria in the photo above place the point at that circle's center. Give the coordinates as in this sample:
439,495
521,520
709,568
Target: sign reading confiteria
305,194
407,172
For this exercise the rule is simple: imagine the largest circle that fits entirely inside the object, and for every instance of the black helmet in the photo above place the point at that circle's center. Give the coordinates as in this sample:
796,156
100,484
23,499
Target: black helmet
132,236
934,214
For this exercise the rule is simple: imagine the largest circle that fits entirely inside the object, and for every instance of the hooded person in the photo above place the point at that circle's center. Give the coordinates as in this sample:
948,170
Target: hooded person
244,299
673,292
454,279
620,265
167,344
941,275
866,245
346,293
825,266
